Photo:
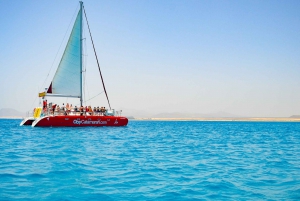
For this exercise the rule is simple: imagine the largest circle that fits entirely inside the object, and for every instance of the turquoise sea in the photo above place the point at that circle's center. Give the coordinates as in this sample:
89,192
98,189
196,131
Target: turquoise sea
151,160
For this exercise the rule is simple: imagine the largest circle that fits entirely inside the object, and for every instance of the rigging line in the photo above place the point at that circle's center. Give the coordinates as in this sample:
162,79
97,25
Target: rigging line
60,45
92,97
34,101
96,57
96,95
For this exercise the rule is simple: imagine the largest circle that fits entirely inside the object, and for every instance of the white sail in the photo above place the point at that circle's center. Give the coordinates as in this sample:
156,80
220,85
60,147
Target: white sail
67,79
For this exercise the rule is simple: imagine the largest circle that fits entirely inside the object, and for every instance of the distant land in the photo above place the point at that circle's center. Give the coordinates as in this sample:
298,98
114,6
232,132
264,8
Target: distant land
295,116
194,115
11,113
142,114
172,116
219,116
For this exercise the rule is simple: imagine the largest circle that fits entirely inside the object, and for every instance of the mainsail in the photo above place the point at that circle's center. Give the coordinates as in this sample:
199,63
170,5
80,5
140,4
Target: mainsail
67,80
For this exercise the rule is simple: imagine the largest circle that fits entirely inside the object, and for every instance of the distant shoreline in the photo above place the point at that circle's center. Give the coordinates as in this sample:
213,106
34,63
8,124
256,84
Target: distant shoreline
252,119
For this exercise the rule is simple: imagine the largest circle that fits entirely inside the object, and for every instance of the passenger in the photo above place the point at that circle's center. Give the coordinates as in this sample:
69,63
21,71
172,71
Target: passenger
50,108
101,111
104,111
95,111
98,110
44,104
70,109
67,109
75,109
53,109
57,110
81,110
63,109
86,110
90,110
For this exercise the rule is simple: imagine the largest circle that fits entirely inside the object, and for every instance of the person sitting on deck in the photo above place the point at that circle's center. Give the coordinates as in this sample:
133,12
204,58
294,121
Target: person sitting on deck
81,110
104,111
75,110
95,111
53,108
57,110
86,110
44,104
68,109
90,110
98,110
63,109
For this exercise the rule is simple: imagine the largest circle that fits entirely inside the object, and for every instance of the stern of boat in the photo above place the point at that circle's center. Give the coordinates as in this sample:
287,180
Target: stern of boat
27,121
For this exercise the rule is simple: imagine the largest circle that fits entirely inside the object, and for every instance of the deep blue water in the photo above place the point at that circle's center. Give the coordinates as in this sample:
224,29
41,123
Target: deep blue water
151,160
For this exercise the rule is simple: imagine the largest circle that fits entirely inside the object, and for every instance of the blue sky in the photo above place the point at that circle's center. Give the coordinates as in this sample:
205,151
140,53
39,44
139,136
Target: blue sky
240,57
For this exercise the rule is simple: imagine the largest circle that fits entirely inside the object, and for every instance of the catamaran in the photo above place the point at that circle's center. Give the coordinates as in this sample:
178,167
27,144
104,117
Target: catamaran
67,82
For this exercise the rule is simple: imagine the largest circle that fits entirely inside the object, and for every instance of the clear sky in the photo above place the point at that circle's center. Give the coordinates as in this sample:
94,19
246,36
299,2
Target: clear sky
240,57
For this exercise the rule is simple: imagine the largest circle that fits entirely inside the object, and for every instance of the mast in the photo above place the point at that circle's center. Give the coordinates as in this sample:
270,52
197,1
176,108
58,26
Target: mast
81,69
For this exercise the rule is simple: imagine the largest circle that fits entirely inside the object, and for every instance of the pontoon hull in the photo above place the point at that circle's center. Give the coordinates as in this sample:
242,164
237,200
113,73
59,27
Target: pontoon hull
79,121
27,121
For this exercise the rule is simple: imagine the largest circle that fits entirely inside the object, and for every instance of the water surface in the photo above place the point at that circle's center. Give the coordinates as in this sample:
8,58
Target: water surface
151,160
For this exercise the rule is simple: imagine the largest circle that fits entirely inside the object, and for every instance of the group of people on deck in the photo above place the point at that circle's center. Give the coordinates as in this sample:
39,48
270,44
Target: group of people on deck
52,108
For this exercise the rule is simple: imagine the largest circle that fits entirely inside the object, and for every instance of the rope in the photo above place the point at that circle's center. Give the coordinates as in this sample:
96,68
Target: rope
96,58
95,96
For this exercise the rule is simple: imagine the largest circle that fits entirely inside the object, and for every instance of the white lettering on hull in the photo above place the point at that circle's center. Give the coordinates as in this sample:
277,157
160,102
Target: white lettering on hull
79,122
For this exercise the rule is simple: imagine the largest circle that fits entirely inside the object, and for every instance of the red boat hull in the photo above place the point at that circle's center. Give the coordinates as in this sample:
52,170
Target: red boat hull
79,121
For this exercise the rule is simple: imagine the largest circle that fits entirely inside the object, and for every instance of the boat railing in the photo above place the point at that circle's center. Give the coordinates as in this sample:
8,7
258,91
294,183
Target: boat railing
49,112
118,113
29,114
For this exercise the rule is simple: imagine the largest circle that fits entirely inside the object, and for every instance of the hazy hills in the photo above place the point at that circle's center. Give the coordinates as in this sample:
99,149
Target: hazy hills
9,112
143,114
194,115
